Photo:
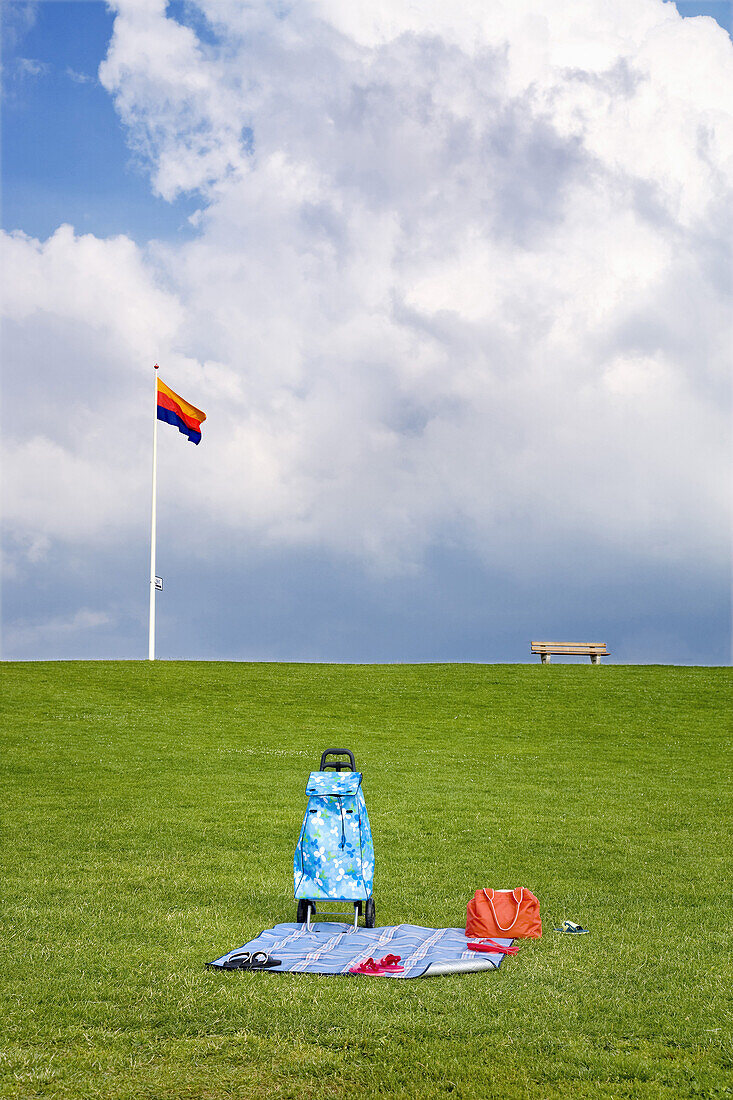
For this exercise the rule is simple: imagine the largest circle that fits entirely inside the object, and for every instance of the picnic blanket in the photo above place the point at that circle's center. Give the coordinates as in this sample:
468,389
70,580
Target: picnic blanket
334,948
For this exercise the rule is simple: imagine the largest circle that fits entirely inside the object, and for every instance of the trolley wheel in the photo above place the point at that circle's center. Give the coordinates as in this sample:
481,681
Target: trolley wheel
303,904
370,913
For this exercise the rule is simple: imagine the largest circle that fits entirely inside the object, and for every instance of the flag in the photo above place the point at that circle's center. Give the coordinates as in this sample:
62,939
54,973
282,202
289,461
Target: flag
174,410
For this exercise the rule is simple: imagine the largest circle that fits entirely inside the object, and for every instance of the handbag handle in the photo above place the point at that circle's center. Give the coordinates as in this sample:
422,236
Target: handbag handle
516,915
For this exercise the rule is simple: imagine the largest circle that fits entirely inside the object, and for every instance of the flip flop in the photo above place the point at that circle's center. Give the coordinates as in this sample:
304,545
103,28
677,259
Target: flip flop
571,928
390,964
494,948
366,966
244,960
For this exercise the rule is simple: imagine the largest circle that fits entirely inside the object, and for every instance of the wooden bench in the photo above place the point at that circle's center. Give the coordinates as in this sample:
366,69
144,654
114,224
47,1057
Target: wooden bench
594,650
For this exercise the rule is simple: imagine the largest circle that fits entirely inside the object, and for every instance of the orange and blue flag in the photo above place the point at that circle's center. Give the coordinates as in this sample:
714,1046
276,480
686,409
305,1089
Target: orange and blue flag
174,410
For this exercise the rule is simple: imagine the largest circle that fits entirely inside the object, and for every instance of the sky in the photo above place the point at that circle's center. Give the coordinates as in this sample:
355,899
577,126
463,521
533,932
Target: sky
453,286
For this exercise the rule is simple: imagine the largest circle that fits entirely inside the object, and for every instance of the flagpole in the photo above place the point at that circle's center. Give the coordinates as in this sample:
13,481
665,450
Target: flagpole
151,630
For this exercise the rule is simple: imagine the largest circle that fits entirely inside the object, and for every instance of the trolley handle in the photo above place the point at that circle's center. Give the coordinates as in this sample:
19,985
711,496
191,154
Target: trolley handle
338,765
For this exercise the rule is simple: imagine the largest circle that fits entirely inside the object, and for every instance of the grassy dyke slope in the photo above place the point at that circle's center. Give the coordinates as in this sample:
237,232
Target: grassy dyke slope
150,816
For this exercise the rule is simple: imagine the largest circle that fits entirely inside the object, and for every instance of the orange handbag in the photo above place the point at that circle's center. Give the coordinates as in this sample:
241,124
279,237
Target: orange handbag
511,914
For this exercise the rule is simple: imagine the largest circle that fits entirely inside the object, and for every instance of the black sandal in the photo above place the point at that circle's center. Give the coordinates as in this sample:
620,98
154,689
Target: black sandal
244,960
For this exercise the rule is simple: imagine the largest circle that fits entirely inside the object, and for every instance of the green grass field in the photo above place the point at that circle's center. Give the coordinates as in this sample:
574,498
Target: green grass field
150,816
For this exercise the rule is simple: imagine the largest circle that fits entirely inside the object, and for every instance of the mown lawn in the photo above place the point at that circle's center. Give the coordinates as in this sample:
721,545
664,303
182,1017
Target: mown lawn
150,815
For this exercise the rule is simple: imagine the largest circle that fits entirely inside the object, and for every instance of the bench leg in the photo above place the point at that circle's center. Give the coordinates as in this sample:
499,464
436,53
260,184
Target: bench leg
595,658
545,658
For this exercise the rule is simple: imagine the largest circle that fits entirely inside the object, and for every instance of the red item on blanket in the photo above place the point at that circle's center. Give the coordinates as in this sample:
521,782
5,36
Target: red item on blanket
390,964
493,948
504,913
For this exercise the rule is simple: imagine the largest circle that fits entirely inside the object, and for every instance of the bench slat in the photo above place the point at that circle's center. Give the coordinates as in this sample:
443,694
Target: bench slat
569,647
573,652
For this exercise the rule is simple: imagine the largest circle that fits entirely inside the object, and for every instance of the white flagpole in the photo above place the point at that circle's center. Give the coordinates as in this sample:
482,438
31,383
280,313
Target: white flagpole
151,631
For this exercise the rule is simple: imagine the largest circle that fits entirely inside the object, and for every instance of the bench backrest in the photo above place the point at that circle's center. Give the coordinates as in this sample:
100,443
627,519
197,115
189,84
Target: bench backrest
582,649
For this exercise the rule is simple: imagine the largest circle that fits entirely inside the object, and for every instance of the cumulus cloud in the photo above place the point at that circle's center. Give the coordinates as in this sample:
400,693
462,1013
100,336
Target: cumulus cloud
461,277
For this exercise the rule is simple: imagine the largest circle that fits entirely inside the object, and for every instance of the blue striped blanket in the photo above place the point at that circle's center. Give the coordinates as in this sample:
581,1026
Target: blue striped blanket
334,948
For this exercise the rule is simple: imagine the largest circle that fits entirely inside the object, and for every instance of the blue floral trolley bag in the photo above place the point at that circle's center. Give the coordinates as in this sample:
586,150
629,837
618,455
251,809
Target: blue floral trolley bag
334,858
